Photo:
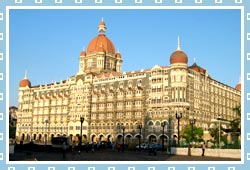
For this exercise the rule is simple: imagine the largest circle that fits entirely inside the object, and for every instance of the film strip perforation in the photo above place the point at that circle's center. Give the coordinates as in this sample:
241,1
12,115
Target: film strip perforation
38,1
78,1
18,1
58,1
211,168
218,1
238,1
118,2
198,1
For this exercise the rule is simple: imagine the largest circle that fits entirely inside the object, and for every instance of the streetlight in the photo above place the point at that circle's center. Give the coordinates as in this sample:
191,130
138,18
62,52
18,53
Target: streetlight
81,120
192,122
46,135
163,124
123,129
178,117
219,118
139,127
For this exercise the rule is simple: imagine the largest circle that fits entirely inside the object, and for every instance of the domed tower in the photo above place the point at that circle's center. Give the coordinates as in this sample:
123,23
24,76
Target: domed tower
101,55
25,82
178,81
238,86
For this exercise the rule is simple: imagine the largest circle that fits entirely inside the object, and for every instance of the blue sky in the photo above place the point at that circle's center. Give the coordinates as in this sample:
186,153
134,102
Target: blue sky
47,43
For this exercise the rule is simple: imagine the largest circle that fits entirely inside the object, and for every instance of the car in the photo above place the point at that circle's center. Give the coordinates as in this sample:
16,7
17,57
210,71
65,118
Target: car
155,146
143,146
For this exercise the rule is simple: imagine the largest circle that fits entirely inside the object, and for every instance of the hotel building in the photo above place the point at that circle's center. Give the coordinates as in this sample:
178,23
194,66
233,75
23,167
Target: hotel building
110,99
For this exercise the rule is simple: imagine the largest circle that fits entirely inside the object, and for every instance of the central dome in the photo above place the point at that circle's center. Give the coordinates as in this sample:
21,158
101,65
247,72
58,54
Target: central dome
101,43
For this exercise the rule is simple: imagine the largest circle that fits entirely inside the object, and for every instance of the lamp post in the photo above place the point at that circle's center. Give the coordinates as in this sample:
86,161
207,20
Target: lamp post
123,129
81,120
139,127
219,118
192,122
178,117
46,134
163,124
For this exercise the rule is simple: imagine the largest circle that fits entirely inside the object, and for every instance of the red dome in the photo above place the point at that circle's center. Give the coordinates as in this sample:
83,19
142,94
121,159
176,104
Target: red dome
238,86
83,53
24,83
118,55
101,44
178,57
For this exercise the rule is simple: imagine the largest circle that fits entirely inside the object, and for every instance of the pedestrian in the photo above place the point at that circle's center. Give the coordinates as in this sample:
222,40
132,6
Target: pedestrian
203,147
64,149
118,146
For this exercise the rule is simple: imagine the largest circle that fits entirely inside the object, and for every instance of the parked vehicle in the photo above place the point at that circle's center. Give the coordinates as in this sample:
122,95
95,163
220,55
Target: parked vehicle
57,142
155,147
143,146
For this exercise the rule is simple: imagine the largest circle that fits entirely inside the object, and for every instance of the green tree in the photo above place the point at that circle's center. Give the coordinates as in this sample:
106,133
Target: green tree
235,125
187,134
12,132
214,132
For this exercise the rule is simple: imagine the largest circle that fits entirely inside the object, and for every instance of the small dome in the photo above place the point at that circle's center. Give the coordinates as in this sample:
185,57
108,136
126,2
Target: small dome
118,55
178,57
83,53
25,81
238,86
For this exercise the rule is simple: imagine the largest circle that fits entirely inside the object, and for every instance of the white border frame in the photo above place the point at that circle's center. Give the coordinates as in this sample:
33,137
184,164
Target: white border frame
5,55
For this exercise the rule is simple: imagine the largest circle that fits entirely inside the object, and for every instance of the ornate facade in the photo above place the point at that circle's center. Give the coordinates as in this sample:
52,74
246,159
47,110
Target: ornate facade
108,99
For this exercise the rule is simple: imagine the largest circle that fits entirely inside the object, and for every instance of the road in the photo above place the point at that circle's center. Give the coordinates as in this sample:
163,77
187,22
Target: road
109,155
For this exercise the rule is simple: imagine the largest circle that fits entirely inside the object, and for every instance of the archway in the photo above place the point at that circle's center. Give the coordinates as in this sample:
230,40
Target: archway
71,137
84,138
93,138
137,138
165,139
119,139
23,136
128,139
109,138
152,139
34,137
101,138
39,137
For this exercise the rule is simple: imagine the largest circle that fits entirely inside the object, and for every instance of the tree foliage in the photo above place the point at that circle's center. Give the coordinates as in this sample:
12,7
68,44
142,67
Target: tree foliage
187,133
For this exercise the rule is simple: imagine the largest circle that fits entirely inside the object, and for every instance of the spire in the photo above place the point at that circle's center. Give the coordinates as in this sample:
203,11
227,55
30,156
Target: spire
26,75
179,44
83,48
102,27
194,59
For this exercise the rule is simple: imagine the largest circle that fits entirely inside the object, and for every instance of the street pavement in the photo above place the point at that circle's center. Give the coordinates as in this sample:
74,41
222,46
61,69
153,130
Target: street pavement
109,155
